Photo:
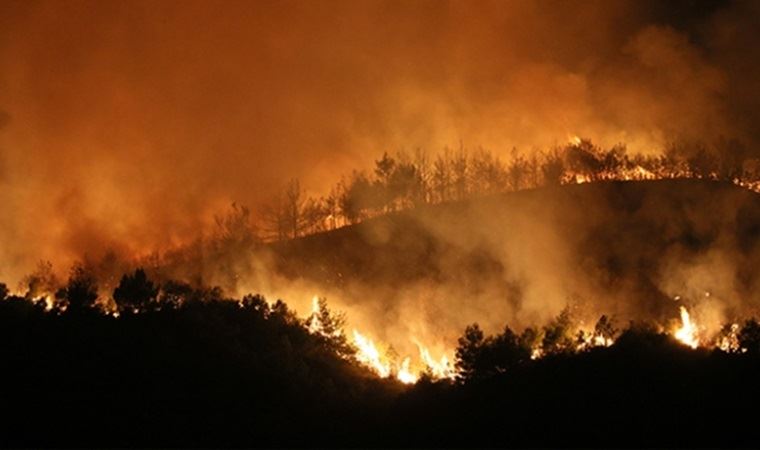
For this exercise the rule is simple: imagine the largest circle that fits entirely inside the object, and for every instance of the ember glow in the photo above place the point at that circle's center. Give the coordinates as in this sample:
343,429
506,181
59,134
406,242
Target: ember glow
728,341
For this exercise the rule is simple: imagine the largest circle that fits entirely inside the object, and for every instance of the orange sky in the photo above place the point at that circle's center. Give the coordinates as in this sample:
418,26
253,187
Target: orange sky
125,124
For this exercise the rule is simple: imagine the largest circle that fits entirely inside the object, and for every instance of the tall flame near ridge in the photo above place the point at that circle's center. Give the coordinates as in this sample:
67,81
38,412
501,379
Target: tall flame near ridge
367,352
405,375
315,326
369,355
687,333
441,368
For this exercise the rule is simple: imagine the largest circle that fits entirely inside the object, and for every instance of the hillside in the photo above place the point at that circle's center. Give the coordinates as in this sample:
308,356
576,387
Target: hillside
642,241
194,368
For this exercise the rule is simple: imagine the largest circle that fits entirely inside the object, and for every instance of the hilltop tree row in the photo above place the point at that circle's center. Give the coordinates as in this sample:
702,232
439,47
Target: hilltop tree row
407,180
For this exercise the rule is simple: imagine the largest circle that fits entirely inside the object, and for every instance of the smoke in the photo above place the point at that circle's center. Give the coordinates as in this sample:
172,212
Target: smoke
632,251
134,122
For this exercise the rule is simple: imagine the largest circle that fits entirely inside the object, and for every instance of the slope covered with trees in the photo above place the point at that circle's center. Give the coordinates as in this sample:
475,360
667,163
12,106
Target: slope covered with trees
624,238
223,372
409,180
157,355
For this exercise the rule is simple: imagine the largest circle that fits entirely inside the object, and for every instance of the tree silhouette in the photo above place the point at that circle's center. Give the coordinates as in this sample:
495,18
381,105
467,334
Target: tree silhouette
506,352
384,168
400,182
489,176
284,214
442,178
749,337
135,292
294,206
468,353
81,291
234,229
553,168
557,335
479,357
274,216
460,170
584,159
605,329
517,172
360,197
40,282
329,326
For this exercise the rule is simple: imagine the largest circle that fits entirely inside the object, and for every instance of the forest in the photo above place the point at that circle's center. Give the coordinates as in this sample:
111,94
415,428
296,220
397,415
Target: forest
379,223
408,180
161,351
180,366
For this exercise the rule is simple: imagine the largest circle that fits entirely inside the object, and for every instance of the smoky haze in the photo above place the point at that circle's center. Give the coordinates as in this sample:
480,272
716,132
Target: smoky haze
126,125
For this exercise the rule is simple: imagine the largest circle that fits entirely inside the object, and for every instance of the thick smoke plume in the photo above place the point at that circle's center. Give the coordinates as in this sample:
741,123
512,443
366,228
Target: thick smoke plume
126,125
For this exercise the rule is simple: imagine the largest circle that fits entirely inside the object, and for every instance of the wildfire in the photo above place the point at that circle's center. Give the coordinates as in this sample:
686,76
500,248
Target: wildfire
687,333
587,340
729,341
404,375
315,325
580,178
44,298
601,341
441,368
368,354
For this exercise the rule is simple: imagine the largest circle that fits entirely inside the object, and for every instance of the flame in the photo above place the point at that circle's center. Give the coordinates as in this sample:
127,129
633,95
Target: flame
601,341
368,354
687,333
404,375
439,369
315,325
729,343
589,339
581,178
49,302
46,298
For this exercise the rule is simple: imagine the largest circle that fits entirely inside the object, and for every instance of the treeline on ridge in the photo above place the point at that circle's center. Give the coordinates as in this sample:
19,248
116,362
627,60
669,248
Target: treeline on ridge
407,180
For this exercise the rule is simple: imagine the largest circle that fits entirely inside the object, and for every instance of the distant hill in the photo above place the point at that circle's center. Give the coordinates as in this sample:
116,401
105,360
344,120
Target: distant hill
623,240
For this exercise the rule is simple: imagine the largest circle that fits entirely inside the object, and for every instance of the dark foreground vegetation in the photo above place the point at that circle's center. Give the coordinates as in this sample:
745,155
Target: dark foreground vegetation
207,371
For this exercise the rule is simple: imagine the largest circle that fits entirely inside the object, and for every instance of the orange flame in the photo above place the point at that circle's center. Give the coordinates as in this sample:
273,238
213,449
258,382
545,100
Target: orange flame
687,333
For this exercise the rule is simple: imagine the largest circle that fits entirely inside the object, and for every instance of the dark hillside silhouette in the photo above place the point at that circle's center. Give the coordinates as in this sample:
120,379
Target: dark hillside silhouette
231,372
